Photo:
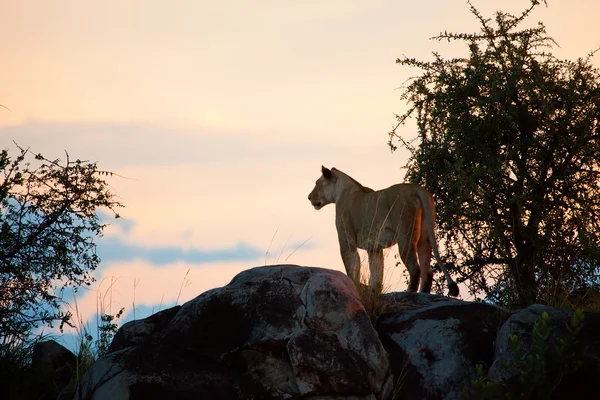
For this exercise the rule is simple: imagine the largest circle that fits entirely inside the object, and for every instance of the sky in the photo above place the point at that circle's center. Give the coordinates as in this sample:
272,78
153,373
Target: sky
217,117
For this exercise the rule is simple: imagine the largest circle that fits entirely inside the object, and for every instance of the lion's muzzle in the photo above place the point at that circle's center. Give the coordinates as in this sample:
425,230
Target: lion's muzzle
317,204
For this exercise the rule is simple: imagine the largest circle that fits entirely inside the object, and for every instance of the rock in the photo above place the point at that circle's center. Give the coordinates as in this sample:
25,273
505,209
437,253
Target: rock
508,366
435,342
53,366
277,332
134,332
106,379
521,323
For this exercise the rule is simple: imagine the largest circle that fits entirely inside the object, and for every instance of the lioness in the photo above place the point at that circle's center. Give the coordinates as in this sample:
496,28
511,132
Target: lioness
374,220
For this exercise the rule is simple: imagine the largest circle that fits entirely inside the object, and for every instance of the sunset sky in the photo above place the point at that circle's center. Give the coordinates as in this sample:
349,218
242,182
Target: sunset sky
218,116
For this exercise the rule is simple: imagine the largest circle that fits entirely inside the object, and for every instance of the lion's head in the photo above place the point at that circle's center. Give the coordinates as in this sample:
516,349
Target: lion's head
324,191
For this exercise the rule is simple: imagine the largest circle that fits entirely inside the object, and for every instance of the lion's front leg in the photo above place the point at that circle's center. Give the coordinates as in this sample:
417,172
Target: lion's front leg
351,260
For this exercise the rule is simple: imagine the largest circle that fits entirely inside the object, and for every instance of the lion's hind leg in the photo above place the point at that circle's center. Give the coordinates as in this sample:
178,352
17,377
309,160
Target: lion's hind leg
408,255
424,250
376,270
408,237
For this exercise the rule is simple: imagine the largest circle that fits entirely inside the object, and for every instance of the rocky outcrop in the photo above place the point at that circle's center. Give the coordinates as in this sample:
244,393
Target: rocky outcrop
277,332
290,332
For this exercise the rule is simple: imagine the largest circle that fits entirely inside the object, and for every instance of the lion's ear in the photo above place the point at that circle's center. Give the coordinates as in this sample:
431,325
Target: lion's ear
326,172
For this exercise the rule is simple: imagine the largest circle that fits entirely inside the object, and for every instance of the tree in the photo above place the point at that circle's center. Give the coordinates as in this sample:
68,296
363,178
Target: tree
49,220
508,142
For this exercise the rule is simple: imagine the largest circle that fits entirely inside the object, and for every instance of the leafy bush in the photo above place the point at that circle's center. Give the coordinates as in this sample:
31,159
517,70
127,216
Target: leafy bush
538,371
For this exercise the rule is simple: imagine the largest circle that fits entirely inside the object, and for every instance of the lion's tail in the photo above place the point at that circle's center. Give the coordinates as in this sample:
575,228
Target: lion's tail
429,217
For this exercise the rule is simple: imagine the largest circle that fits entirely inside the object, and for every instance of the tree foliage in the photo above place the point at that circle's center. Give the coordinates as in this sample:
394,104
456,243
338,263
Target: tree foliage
508,143
49,220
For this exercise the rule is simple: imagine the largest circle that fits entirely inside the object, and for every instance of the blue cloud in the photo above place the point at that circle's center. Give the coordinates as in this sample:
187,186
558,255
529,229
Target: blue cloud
126,225
113,249
72,340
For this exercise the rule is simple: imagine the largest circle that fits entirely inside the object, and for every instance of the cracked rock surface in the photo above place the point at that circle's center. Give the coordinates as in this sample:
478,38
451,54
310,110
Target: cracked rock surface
434,343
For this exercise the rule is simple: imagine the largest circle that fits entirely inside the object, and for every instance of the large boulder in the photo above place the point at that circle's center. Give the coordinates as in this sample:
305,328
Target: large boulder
52,361
52,365
521,324
276,332
435,342
561,378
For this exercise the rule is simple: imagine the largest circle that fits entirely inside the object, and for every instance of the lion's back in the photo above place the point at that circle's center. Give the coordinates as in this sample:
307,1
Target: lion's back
399,202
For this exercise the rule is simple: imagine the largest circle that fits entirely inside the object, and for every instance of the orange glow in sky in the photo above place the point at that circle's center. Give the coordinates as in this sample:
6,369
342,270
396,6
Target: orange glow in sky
220,114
